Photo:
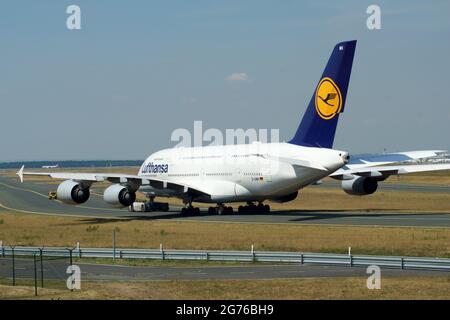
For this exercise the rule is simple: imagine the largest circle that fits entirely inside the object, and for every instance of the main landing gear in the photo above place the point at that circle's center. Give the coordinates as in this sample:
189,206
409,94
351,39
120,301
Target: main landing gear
255,209
220,209
190,211
250,208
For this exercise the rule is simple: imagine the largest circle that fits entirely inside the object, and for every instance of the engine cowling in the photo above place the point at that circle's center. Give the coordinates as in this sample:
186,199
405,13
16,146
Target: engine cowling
360,186
72,192
119,196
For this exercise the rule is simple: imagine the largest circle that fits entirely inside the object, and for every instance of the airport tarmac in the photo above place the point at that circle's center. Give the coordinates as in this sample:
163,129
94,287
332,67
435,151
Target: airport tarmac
56,270
31,197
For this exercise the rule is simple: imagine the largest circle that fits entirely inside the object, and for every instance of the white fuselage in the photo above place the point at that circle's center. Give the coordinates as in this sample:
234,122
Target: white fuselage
250,172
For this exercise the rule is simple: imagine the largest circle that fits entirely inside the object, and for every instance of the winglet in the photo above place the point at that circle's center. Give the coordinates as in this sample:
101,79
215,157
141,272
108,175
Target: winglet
20,173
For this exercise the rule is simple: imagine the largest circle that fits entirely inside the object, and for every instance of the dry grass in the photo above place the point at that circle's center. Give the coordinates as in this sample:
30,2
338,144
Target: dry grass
314,198
328,199
23,229
63,231
432,177
307,288
335,200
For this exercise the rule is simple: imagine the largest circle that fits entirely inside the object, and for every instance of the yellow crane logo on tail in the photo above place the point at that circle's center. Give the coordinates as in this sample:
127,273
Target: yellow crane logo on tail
328,99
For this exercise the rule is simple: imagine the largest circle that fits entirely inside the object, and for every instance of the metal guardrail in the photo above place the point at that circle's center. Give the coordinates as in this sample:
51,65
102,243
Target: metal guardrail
238,256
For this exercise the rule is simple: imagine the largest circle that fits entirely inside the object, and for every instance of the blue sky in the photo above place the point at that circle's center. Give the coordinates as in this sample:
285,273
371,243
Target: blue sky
137,70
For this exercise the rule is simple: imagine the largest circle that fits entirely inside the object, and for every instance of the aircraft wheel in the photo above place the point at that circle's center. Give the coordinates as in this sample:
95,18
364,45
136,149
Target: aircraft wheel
197,211
266,208
260,208
252,209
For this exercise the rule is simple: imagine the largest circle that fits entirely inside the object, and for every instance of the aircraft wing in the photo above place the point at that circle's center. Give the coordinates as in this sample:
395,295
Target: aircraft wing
390,158
383,172
133,181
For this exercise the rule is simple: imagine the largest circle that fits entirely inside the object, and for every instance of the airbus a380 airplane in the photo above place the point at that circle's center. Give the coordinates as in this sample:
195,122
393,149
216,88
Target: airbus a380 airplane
255,172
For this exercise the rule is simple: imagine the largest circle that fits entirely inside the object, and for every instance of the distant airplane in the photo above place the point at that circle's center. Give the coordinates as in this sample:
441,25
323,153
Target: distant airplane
50,167
254,173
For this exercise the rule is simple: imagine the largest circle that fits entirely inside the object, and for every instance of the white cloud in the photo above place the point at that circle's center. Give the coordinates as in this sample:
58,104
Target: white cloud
238,77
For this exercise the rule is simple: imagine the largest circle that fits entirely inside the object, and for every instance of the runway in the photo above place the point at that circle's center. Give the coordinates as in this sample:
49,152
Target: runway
31,198
56,270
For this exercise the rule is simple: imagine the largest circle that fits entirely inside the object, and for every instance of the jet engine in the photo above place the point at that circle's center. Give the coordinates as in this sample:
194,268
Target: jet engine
360,186
119,196
72,192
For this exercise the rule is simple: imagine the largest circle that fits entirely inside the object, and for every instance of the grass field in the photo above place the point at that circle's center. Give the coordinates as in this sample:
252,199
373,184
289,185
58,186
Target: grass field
431,177
23,229
335,200
308,288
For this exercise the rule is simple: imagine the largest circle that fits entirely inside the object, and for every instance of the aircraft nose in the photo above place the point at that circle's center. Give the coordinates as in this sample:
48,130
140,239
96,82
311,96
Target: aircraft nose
345,157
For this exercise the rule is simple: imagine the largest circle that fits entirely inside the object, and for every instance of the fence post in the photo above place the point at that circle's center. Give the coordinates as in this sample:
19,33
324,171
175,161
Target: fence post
35,275
161,248
402,263
114,245
70,259
13,266
42,266
253,253
70,256
351,260
79,250
301,258
207,256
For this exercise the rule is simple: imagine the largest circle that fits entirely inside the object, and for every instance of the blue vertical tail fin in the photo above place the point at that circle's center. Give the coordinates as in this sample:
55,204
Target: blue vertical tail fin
318,125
